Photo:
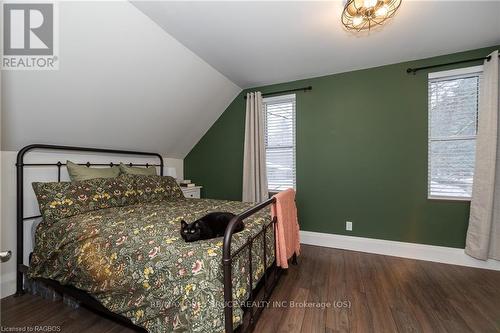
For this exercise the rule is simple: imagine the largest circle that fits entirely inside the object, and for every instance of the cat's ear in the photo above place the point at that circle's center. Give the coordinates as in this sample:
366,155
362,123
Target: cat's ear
196,224
183,224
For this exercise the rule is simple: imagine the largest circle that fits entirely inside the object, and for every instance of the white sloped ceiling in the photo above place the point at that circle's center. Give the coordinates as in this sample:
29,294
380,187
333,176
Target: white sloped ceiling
256,43
123,82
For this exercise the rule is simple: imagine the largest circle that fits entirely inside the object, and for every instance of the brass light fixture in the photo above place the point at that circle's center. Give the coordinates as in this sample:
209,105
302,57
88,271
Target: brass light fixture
366,14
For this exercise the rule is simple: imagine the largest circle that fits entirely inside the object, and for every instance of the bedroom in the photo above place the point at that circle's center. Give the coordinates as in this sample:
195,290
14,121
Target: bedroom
382,117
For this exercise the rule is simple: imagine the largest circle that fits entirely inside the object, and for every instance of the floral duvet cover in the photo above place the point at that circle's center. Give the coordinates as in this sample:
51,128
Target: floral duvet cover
133,260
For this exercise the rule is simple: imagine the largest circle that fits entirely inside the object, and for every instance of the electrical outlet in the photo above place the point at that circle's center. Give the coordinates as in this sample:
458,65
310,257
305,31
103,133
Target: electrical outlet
348,225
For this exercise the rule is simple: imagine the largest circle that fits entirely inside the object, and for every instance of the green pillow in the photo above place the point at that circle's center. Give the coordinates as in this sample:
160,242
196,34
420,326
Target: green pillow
128,170
141,189
60,200
81,172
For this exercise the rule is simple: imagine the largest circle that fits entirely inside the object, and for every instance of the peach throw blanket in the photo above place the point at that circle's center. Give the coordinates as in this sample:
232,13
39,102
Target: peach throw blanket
287,227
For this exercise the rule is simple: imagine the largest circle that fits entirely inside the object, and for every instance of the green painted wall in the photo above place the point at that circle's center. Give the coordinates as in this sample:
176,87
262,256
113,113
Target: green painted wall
361,156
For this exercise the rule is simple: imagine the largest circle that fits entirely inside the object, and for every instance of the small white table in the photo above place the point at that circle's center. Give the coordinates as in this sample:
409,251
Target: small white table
191,192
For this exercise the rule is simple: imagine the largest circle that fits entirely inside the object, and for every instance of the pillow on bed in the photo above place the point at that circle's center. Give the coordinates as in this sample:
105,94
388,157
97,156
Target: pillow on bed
150,188
81,172
128,170
65,199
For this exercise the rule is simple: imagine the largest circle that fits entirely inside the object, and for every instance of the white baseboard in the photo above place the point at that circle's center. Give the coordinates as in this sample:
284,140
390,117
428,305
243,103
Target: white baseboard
447,255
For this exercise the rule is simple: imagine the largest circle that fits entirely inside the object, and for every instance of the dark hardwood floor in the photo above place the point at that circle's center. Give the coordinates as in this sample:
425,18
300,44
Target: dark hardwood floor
359,292
386,294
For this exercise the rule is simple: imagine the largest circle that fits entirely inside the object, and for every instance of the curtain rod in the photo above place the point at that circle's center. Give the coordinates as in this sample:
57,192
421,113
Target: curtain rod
285,91
415,70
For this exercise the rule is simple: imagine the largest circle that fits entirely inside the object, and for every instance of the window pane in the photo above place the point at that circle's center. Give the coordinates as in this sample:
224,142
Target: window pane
452,167
453,107
280,142
280,168
280,125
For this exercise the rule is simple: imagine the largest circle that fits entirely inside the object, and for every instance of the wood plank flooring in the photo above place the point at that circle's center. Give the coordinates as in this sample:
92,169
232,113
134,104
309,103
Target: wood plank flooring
386,294
359,292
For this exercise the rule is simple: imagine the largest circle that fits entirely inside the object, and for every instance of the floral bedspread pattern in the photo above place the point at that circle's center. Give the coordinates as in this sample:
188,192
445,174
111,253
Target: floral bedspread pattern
134,261
59,200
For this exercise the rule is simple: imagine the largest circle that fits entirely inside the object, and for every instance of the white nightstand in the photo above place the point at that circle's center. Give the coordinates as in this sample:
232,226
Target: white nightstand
191,192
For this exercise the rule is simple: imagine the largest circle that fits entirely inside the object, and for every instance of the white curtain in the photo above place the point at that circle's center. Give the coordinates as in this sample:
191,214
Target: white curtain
483,235
254,158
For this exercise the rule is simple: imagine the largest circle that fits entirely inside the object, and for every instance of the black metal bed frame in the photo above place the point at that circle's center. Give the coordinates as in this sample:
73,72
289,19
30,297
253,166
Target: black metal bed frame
267,283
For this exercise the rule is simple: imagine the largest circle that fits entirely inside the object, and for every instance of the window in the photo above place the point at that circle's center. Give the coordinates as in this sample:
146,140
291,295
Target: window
453,114
279,131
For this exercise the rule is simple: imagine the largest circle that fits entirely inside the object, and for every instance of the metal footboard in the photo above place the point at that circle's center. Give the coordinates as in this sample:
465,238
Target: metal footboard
227,260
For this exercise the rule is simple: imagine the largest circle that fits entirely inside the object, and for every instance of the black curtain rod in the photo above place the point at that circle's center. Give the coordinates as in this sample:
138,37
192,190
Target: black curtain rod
415,70
285,91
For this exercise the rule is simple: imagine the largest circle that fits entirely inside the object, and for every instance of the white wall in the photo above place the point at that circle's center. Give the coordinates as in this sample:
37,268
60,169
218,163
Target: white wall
123,82
8,199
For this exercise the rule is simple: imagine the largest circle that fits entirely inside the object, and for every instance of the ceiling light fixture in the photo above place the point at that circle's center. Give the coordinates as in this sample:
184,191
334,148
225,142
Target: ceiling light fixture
365,14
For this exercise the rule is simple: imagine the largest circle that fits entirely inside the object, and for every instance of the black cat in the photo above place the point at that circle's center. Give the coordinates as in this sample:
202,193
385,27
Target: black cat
209,226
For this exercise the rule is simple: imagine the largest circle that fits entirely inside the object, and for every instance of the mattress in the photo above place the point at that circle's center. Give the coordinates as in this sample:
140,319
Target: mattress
133,260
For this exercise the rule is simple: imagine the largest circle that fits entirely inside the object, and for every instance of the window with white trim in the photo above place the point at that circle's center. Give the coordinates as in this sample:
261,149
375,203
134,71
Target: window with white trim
453,115
279,131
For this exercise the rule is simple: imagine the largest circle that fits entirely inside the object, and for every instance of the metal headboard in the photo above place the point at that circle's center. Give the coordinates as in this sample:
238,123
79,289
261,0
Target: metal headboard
20,165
